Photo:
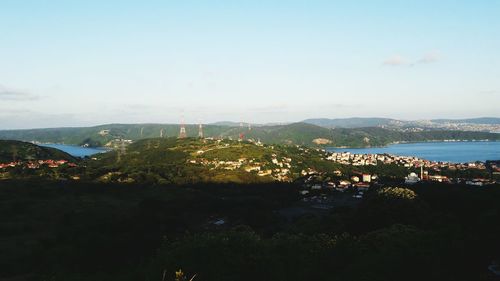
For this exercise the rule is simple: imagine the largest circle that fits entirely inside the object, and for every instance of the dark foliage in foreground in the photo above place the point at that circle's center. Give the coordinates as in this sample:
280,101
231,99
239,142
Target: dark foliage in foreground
78,231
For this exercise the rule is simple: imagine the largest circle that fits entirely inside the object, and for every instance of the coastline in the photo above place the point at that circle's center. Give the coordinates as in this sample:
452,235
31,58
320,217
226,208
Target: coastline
408,142
76,150
440,151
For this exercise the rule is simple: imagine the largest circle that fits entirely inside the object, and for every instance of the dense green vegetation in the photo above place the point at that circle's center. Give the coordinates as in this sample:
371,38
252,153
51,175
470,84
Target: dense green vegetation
16,150
165,160
297,133
192,160
63,230
83,231
161,205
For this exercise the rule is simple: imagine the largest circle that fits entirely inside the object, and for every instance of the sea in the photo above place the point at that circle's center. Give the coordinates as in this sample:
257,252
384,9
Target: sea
77,151
456,152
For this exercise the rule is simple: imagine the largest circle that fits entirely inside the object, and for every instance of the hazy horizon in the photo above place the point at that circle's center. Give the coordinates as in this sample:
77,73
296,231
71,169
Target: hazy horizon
75,64
237,123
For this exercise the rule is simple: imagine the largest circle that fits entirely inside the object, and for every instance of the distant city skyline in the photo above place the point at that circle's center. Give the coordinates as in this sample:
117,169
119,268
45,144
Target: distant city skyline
83,63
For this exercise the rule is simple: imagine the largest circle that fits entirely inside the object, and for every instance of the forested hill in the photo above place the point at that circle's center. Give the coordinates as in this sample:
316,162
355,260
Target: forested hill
193,160
18,150
374,136
296,133
102,134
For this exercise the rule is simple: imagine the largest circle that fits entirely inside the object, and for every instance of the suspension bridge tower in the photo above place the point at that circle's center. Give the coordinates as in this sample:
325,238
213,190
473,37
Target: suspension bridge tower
182,132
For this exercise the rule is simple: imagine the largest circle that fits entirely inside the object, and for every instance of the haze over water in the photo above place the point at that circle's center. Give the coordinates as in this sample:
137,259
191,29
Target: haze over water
458,152
75,150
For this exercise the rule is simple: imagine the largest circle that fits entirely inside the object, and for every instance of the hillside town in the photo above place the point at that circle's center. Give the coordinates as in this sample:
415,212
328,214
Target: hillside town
50,163
458,126
278,168
283,168
347,158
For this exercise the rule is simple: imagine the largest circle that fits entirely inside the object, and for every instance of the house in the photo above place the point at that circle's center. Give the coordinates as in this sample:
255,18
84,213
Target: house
265,173
474,182
219,222
252,168
316,187
362,186
439,178
330,184
343,185
367,178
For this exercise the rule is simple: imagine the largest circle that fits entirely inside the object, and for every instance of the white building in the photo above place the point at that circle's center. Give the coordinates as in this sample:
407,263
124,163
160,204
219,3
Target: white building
412,178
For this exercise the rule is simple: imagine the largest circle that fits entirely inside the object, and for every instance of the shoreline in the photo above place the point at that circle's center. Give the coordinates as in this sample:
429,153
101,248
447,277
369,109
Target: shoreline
50,144
76,150
437,151
408,142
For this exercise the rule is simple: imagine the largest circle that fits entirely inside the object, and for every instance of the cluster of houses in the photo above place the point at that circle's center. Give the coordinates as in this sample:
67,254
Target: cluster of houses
495,167
494,128
413,178
37,164
359,181
314,188
354,159
279,168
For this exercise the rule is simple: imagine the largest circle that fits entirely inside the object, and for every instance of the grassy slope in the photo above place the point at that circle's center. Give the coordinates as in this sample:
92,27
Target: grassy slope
168,160
164,160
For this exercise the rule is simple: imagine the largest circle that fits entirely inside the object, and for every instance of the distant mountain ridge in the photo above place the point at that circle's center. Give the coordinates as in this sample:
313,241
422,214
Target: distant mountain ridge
480,120
297,133
290,134
359,122
236,124
354,122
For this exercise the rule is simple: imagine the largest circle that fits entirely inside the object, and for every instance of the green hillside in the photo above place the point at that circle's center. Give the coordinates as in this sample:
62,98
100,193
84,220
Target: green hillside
18,150
192,160
296,133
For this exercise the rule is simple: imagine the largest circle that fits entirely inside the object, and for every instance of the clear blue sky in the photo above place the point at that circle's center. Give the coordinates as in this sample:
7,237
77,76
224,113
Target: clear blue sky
73,63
